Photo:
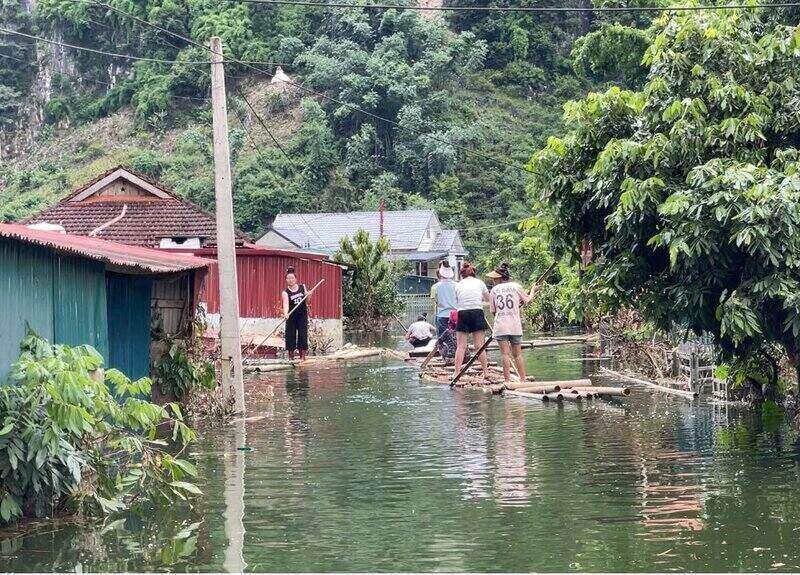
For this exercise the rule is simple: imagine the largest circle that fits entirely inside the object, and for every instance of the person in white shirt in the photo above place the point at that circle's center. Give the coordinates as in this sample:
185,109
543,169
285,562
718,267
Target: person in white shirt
420,332
471,293
505,302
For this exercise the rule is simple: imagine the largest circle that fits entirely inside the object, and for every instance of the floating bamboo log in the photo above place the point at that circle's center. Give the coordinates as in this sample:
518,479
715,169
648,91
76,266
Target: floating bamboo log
526,386
681,392
564,384
597,390
544,397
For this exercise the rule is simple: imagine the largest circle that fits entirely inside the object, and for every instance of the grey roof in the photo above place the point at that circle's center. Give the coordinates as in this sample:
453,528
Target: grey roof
448,241
403,229
417,256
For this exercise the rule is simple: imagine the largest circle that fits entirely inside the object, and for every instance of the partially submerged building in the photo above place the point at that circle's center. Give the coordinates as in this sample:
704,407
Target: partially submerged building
126,207
77,290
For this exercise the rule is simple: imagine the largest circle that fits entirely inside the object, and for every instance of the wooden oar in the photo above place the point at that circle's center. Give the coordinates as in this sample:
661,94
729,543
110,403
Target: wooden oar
489,339
284,320
429,357
397,319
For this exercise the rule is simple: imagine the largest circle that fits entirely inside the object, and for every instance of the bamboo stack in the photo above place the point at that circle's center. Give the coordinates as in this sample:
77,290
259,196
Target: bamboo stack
575,390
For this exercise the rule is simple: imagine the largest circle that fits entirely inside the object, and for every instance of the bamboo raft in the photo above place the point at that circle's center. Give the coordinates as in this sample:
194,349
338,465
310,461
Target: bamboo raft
574,390
345,354
549,341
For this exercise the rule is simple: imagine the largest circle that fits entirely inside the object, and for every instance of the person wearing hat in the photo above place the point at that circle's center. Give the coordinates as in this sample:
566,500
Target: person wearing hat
505,301
443,293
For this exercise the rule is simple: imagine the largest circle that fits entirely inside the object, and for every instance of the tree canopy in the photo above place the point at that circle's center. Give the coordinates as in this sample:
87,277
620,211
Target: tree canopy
689,189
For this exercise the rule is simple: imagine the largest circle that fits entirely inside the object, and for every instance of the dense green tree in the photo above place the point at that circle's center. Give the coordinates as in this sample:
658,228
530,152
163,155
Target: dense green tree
396,65
689,190
370,294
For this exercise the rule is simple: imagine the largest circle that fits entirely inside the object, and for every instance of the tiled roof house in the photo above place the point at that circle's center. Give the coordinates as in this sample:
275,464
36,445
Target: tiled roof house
126,207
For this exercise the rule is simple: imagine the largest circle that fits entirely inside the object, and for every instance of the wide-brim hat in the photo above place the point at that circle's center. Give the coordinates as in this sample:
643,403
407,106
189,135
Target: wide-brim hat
494,275
446,273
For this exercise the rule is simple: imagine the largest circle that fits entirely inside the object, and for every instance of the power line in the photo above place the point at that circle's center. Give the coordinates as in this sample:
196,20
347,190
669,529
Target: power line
123,56
314,92
263,123
547,9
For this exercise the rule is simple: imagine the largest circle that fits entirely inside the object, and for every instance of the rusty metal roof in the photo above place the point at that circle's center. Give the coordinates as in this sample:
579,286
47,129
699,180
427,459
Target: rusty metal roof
127,257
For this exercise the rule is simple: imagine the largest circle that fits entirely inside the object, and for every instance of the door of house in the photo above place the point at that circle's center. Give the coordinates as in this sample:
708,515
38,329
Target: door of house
129,324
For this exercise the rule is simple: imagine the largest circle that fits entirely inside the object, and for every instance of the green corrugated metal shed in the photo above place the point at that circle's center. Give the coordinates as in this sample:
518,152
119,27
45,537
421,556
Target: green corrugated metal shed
81,290
62,298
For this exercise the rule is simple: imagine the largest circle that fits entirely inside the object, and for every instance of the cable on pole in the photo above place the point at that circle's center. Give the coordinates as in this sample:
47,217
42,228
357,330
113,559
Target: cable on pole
545,9
123,56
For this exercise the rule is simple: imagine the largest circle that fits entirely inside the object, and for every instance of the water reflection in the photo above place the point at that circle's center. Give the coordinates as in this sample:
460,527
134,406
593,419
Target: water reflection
510,458
363,468
234,497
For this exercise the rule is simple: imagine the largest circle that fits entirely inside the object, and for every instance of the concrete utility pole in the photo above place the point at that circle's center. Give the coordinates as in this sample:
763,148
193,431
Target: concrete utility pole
226,241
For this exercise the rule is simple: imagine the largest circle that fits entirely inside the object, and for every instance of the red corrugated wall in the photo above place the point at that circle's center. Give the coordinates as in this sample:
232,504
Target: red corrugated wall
261,277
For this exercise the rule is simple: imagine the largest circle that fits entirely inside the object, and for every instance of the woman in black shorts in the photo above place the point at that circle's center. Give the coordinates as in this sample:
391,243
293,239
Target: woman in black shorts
471,294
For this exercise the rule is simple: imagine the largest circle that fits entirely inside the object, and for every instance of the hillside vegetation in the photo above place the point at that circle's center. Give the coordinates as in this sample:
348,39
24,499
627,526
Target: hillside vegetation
416,109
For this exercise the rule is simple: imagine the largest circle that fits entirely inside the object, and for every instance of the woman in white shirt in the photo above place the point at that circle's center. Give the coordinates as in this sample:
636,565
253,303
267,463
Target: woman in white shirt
471,293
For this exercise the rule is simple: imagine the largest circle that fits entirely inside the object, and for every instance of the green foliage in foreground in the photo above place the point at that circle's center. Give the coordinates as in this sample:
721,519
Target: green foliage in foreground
71,442
689,190
370,293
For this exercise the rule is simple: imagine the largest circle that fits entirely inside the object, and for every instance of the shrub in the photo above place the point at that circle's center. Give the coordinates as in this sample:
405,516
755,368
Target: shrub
74,439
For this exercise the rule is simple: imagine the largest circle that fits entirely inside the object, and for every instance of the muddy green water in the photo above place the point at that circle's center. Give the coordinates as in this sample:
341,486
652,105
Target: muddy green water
363,468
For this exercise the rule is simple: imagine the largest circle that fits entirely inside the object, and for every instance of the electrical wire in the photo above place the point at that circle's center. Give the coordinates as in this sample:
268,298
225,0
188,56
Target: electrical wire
123,56
316,93
549,9
263,123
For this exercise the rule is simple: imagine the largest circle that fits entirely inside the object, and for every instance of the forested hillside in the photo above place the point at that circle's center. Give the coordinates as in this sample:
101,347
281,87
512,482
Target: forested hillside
418,108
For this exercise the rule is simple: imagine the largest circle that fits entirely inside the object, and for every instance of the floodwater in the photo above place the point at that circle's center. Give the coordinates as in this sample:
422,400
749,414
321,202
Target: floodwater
364,468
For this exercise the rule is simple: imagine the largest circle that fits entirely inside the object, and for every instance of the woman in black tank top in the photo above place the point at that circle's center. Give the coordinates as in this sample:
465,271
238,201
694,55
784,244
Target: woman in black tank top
297,323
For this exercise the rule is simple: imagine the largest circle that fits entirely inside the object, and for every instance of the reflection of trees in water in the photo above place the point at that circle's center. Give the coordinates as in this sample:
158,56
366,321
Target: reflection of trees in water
133,543
642,443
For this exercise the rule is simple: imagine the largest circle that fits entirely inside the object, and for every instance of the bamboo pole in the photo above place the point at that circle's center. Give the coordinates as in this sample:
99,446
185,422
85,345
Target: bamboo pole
523,386
429,357
540,396
564,384
606,390
683,393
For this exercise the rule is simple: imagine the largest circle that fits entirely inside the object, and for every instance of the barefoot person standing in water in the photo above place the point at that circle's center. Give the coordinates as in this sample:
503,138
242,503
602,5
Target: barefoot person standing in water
505,302
296,323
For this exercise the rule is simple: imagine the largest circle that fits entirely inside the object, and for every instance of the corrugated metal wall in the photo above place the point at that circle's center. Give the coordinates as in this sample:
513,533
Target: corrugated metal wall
61,298
129,324
262,277
26,295
79,303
